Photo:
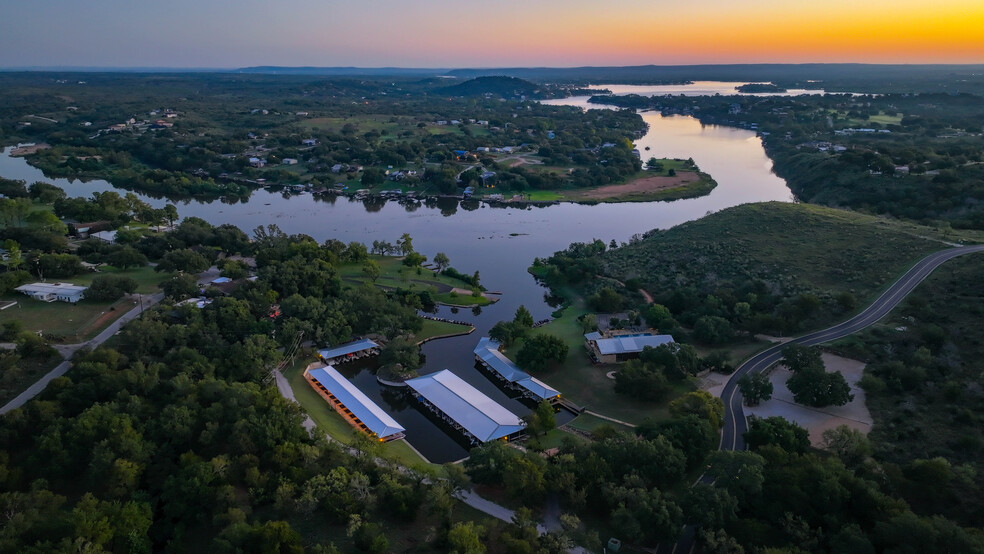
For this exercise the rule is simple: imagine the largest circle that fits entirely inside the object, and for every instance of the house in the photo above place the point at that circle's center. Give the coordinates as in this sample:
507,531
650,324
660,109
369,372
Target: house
610,348
257,162
107,236
309,142
486,175
289,161
49,292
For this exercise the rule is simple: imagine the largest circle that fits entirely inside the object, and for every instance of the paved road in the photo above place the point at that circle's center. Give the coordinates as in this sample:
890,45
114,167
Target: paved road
68,351
735,424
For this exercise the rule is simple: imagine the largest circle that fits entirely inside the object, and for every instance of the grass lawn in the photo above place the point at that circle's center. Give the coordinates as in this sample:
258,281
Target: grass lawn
588,423
392,273
885,119
330,422
147,279
434,329
455,299
61,321
586,384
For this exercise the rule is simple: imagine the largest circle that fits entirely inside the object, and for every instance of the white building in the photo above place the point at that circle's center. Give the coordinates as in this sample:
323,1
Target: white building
49,292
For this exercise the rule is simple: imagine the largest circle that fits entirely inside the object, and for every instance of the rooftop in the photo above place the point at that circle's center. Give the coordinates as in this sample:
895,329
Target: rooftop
347,348
368,412
487,350
53,288
481,416
627,343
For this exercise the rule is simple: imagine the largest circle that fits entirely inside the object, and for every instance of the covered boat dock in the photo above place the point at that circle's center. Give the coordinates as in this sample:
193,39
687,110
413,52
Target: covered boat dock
349,351
487,353
466,408
352,404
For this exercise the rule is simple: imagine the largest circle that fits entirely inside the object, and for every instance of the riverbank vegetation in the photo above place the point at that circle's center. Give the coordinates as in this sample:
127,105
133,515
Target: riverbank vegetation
229,135
912,156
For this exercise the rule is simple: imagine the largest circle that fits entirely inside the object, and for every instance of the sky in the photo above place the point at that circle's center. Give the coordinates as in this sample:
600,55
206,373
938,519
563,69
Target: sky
502,33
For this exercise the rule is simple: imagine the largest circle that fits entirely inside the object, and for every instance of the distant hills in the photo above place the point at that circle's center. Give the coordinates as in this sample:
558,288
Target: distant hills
505,87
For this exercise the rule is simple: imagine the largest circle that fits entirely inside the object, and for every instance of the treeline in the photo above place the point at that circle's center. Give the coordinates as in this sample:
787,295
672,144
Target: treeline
919,157
176,439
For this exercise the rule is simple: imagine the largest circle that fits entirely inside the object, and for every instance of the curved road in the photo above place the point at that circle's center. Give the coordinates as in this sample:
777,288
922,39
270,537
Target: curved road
735,424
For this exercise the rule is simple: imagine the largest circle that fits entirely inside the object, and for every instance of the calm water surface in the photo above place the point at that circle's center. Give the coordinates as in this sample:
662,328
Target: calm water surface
498,242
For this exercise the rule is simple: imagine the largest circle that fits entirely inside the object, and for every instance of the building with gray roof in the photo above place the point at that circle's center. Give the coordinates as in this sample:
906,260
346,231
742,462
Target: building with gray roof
465,407
619,348
352,404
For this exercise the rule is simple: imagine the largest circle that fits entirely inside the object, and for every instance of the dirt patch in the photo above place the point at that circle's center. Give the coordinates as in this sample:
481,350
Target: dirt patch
655,183
28,150
854,414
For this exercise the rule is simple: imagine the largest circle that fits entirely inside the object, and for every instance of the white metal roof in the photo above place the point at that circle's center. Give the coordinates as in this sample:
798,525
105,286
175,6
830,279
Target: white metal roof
53,288
628,344
347,348
368,412
478,414
488,351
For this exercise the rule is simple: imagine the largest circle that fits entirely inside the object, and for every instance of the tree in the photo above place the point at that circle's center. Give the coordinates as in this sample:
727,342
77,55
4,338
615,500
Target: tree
110,287
523,317
755,387
126,257
712,329
702,404
170,214
413,259
371,270
543,418
372,176
798,358
850,445
180,287
654,164
442,261
541,349
466,538
404,244
185,260
776,431
817,388
606,300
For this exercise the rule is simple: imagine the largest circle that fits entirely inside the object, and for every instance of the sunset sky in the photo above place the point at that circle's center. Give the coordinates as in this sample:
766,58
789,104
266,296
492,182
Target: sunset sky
442,33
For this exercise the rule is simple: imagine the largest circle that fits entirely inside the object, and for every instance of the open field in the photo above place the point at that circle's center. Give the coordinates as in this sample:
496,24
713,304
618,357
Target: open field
62,321
684,184
393,274
796,247
147,279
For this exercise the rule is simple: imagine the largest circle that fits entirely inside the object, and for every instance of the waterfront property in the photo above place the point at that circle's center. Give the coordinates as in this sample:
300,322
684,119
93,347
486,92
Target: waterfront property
49,292
349,351
352,404
610,348
487,353
466,408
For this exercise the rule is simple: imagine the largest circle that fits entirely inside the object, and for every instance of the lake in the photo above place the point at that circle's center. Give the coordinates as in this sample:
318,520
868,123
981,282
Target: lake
498,242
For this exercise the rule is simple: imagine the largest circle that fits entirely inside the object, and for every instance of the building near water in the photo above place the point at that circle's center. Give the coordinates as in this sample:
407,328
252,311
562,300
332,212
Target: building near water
487,353
349,351
352,404
465,408
611,348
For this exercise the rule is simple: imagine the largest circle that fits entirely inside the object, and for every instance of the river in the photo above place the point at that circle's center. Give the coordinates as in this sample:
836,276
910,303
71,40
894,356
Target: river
498,242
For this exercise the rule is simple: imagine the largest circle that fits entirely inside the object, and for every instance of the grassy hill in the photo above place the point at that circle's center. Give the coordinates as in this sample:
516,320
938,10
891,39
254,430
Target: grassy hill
794,248
506,87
